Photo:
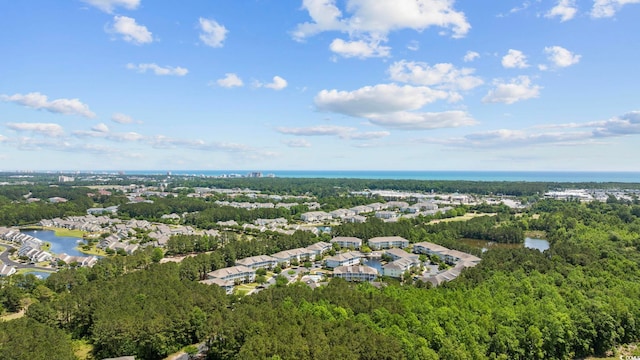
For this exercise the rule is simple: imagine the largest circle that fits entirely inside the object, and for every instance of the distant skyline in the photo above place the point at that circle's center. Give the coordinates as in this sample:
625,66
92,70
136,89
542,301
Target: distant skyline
320,84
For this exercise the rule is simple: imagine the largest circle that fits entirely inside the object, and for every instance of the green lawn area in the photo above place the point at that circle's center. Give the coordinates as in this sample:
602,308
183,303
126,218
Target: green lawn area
26,271
464,217
82,349
93,250
59,231
536,234
247,287
68,232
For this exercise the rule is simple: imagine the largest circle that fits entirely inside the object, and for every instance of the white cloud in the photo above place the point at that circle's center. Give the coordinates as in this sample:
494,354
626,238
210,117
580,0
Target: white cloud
368,22
297,143
514,59
393,106
470,56
101,128
109,5
608,8
278,83
413,45
230,80
322,130
627,124
405,120
102,131
123,119
213,34
342,132
368,135
381,17
565,9
45,129
587,133
517,89
523,138
442,76
159,70
359,48
382,98
561,57
39,101
130,30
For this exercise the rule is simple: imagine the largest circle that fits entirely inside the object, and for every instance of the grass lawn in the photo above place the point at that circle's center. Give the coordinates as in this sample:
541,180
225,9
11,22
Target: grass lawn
26,271
2,249
246,287
82,349
465,217
59,231
93,250
536,234
68,232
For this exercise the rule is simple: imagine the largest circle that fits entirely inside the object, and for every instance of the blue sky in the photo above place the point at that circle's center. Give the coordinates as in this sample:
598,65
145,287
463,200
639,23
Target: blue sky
319,84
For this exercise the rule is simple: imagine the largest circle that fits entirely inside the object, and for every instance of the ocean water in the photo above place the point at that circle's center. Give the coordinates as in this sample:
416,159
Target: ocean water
530,176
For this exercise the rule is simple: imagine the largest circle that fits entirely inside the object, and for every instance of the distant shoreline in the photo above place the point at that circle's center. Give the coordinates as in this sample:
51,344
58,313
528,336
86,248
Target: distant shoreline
423,175
445,175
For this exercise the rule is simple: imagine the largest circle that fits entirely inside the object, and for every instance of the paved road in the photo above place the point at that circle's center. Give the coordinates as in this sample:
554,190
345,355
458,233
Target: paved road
5,259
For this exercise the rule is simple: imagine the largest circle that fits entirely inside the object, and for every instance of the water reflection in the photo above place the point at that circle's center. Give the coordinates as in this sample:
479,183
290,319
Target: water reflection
59,244
531,243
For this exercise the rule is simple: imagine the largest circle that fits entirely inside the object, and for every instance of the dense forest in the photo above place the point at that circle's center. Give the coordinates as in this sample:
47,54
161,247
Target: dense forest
580,297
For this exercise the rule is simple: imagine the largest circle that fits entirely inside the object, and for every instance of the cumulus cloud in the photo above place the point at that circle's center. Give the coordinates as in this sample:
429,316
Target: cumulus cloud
158,70
44,129
470,56
382,98
380,18
39,101
627,124
368,22
101,128
564,9
277,83
123,119
561,57
514,59
608,8
517,89
394,106
441,76
230,80
574,134
109,5
130,30
213,34
297,143
359,48
405,120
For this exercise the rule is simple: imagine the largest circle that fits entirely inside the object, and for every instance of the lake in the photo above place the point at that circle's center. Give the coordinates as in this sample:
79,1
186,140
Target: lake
531,243
59,244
